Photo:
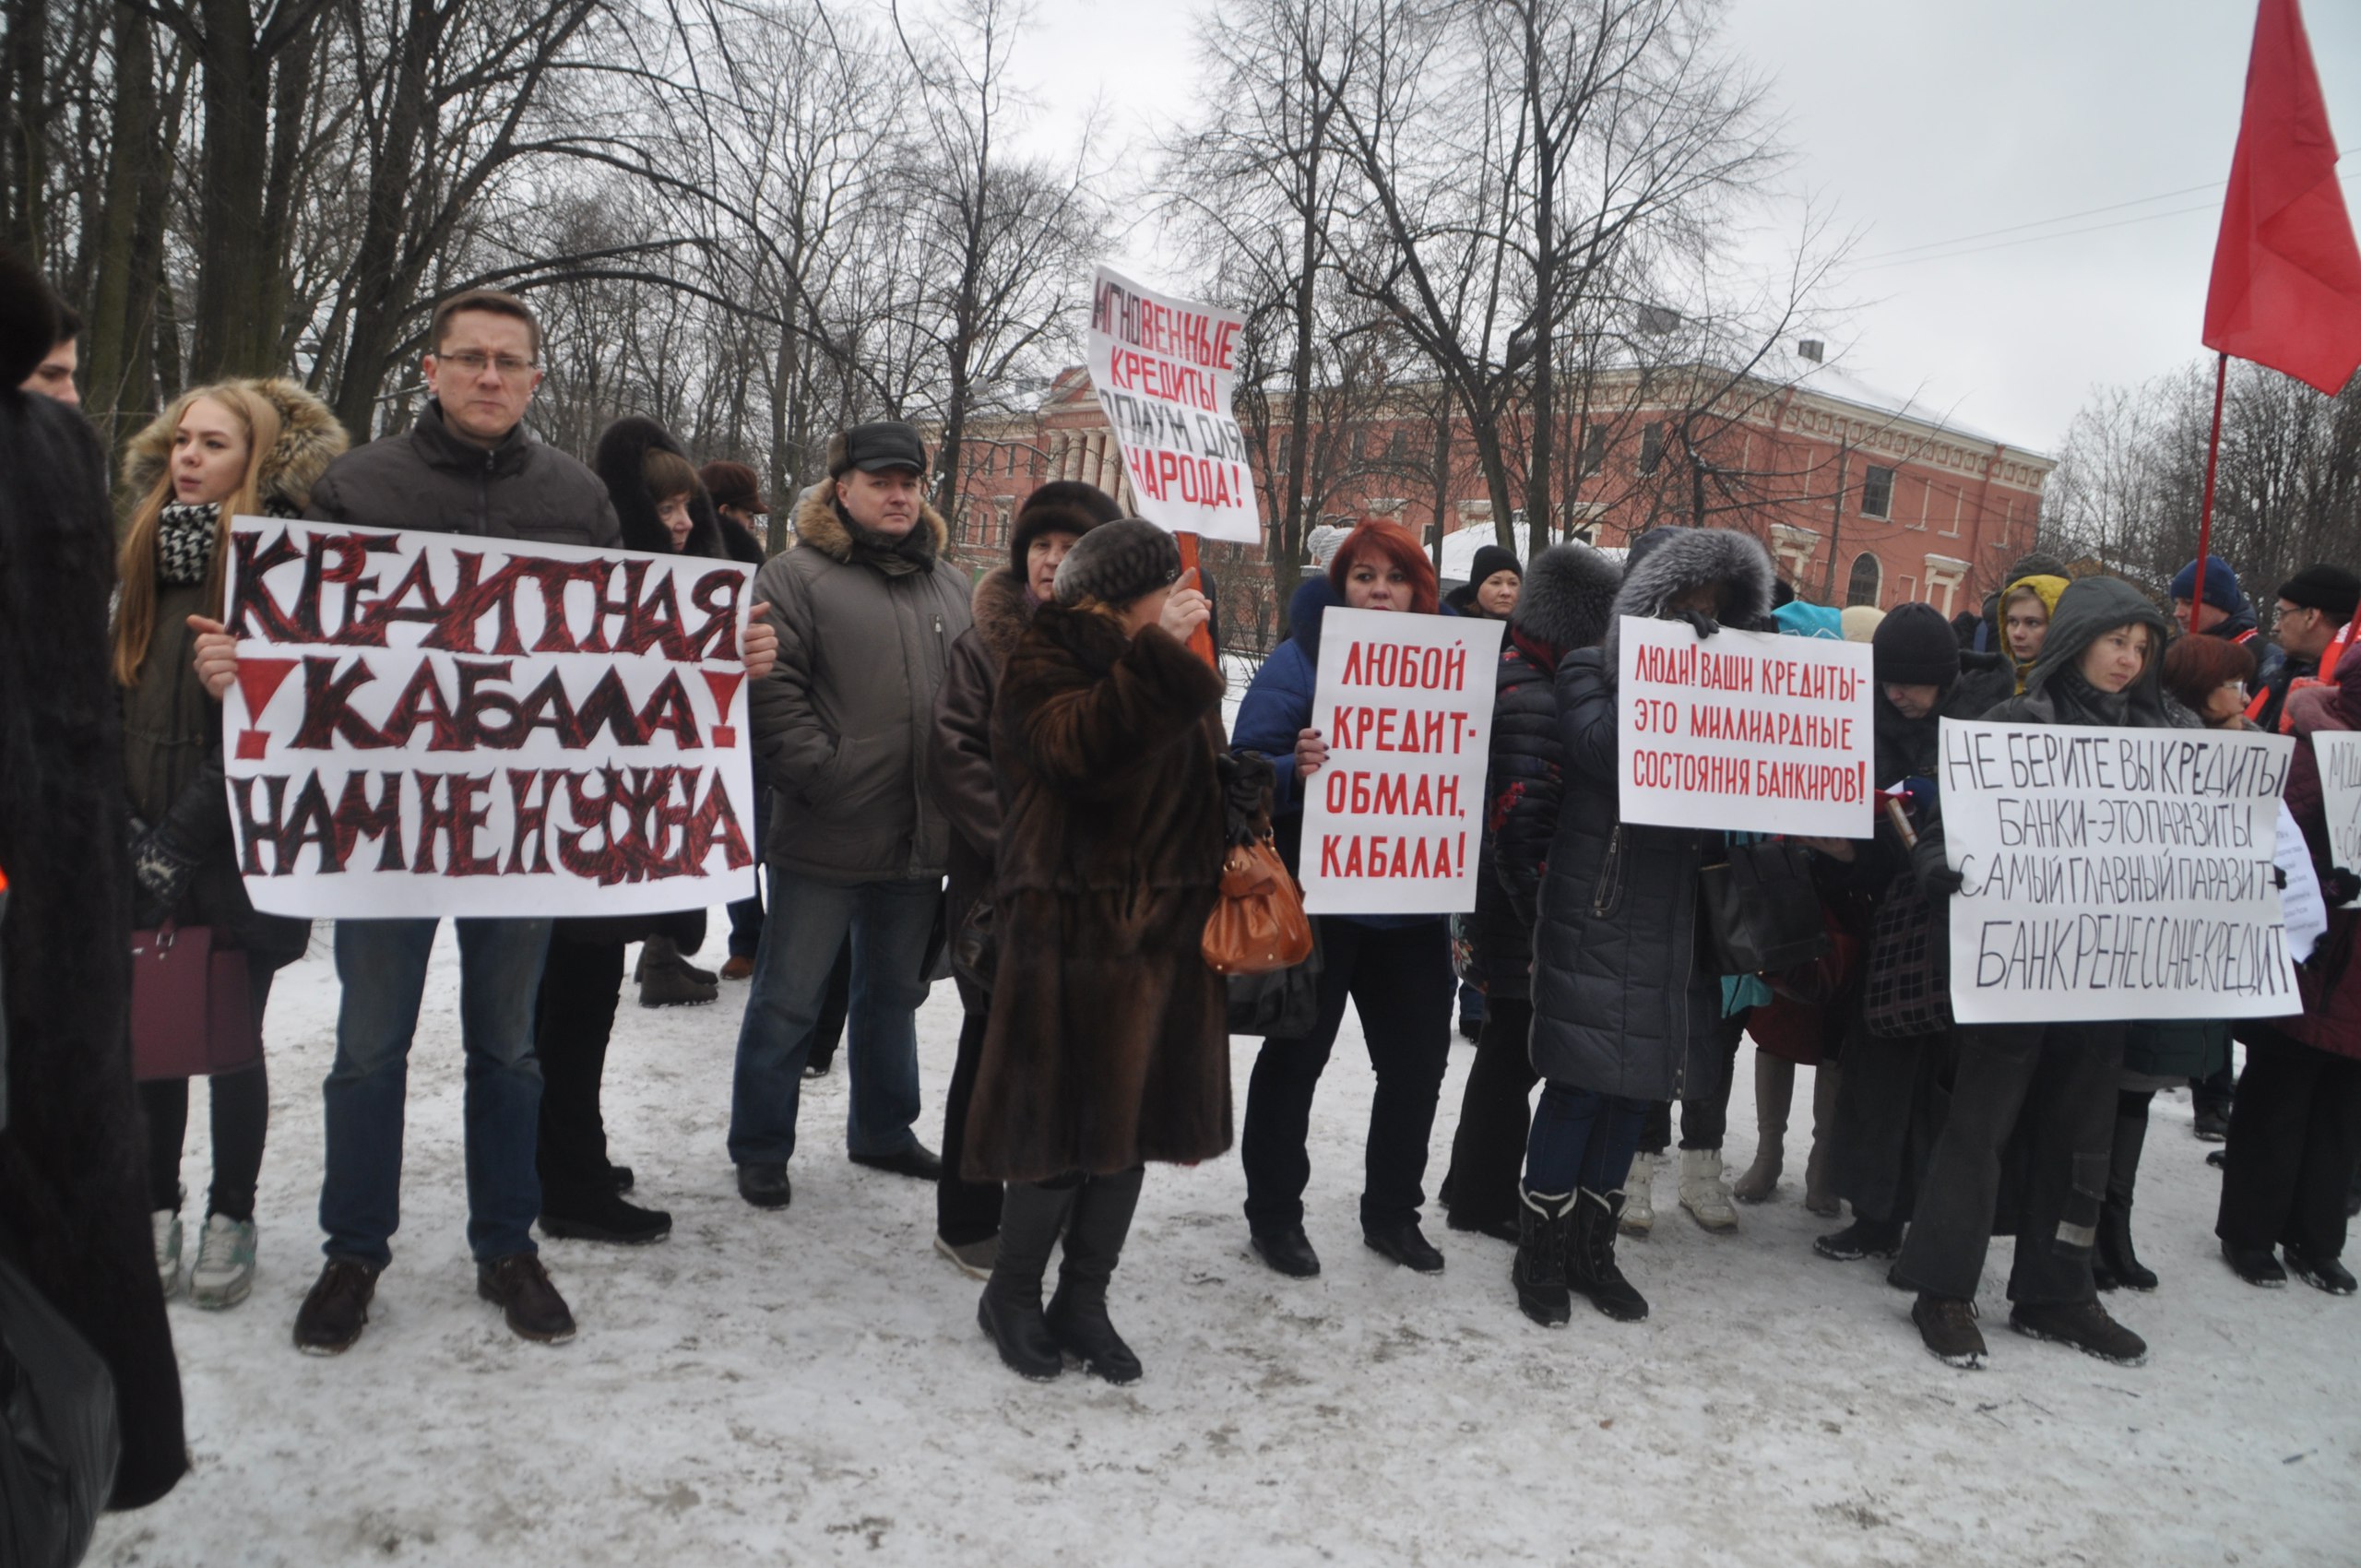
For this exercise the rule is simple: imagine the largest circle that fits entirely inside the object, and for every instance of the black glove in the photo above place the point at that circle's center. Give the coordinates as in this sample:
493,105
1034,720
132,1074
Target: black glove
1937,879
1704,624
1246,781
2340,886
160,868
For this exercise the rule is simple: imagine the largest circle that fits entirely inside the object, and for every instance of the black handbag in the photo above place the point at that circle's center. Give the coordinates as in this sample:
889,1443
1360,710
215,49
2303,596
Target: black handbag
975,947
1761,908
1280,1004
59,1440
1907,992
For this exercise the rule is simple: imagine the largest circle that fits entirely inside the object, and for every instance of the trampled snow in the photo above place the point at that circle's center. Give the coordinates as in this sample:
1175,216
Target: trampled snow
810,1387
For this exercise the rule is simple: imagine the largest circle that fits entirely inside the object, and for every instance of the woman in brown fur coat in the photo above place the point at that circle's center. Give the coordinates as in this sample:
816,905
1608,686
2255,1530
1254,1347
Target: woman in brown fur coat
1107,1044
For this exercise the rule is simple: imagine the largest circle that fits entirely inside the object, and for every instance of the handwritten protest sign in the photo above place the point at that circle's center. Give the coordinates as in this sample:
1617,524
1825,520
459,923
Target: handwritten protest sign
431,724
2339,754
1743,730
1391,824
2115,874
1163,369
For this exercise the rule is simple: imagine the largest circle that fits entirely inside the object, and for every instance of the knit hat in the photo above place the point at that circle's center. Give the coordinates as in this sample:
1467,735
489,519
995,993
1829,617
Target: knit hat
2321,587
1062,506
1913,647
2222,590
1116,562
2041,563
1491,558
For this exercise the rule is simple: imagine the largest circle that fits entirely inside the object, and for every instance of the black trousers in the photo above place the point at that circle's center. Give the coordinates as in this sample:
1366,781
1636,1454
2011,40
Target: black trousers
2295,1134
1705,1116
1400,982
965,1212
580,985
1890,1109
1487,1151
239,1106
2052,1088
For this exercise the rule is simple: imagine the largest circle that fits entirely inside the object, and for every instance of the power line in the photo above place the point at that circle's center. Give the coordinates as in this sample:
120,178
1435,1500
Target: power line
2041,224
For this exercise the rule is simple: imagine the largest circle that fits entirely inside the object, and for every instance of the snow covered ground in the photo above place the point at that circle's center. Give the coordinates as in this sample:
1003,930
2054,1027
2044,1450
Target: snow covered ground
810,1387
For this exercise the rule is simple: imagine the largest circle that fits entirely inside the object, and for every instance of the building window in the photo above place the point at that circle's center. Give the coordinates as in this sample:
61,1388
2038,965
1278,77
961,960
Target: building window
1877,493
1651,448
1593,446
1866,578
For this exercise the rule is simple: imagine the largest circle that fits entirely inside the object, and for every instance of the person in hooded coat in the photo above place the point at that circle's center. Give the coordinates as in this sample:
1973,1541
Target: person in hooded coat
1564,606
1623,1010
664,510
73,1198
2296,1132
2024,609
240,447
1053,518
1395,971
2051,1084
1107,1044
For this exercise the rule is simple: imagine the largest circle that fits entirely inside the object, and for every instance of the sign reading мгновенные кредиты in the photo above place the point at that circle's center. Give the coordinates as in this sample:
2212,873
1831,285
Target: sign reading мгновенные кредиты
1164,369
1392,822
441,724
1742,731
2115,872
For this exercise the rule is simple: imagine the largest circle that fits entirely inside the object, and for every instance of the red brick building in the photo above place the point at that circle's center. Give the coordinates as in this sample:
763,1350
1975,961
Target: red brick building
1862,497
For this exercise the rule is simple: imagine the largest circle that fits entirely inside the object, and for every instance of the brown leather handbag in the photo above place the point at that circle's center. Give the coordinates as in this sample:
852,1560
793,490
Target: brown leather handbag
191,1009
1259,926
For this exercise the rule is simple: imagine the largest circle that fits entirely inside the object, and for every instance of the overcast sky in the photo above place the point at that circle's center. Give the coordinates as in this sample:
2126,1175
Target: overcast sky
1919,123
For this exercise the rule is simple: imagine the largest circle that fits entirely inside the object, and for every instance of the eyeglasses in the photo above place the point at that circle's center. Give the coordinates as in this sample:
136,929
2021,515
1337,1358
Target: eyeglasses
511,368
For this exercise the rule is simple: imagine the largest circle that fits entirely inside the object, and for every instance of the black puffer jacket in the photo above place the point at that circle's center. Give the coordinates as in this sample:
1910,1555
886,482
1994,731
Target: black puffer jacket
1564,606
1621,1003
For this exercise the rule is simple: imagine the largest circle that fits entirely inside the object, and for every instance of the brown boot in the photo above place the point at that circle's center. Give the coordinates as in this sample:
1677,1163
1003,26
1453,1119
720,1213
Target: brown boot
521,1289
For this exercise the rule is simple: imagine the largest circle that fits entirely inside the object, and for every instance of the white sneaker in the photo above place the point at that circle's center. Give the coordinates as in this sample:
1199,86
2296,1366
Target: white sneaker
1639,1196
225,1263
167,1225
1701,1193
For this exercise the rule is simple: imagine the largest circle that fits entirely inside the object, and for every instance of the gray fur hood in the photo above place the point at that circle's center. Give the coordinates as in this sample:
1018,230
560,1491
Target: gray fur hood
1737,564
1568,599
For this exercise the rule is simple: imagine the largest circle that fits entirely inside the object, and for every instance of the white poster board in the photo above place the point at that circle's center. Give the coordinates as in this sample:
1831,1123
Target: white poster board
1743,730
439,724
2115,872
1164,369
1392,823
2339,754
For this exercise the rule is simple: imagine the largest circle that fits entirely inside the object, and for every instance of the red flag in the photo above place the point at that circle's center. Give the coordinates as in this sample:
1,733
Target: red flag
2286,288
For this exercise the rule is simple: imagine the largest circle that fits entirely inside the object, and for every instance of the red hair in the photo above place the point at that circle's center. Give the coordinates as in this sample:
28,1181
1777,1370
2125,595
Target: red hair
1392,545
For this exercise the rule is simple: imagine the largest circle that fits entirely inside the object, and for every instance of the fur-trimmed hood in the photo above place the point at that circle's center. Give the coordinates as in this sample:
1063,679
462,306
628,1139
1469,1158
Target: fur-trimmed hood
1568,596
1002,611
820,525
309,439
1687,558
622,449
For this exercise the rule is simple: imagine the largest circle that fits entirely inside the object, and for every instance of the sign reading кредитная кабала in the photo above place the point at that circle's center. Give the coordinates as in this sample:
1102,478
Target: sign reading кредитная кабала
1393,822
439,724
2114,872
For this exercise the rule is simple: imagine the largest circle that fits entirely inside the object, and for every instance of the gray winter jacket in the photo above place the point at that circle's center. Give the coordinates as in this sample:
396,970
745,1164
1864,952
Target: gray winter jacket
842,724
430,480
1621,1002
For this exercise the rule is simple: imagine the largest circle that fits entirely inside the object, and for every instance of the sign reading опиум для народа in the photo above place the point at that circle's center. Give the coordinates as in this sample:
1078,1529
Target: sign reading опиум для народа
443,724
1392,822
1743,731
2338,751
2115,874
1164,369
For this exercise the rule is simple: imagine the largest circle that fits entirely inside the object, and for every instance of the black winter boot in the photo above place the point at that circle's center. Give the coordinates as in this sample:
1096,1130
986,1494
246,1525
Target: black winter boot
1539,1270
1077,1315
1590,1261
1010,1308
2113,1262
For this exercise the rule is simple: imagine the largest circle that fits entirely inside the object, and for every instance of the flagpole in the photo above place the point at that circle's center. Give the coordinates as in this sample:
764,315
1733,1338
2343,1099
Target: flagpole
2205,519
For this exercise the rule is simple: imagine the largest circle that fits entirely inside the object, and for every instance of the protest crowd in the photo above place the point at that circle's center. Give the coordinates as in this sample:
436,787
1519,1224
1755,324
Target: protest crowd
1026,784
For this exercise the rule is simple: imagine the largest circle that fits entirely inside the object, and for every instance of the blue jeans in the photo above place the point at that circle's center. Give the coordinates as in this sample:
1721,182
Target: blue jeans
381,966
1581,1138
890,922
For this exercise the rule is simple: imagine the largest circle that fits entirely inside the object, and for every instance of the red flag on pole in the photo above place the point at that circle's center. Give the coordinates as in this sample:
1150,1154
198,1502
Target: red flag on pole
2286,288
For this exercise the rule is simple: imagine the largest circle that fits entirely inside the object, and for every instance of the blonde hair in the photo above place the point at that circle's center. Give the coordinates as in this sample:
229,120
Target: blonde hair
135,618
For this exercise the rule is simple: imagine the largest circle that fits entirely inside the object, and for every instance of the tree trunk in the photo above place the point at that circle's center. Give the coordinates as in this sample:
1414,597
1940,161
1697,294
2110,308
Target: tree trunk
117,336
235,273
24,140
382,284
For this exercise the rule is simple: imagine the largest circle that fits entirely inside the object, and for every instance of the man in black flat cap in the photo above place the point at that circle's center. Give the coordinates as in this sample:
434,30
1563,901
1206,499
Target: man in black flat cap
2314,605
867,610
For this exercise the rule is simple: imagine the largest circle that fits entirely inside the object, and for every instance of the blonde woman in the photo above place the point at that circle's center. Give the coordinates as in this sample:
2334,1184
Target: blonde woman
249,448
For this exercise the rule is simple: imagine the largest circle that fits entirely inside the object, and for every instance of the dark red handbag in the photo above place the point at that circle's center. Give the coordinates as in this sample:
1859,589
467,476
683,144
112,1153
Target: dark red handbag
192,1011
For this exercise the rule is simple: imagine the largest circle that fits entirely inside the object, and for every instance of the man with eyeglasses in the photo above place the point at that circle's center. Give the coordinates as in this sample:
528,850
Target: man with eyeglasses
468,466
2314,606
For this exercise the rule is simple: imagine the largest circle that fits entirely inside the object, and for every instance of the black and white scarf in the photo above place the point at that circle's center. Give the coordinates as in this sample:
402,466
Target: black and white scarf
184,536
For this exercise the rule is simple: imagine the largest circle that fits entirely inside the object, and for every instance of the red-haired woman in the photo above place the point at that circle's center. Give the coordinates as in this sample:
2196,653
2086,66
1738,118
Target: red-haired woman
1394,970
